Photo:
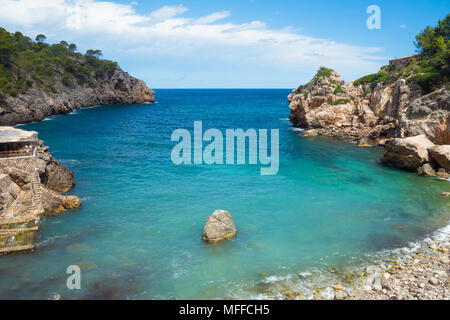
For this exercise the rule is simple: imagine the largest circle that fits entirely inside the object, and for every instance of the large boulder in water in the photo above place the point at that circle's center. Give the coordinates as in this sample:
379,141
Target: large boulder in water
441,154
408,153
219,226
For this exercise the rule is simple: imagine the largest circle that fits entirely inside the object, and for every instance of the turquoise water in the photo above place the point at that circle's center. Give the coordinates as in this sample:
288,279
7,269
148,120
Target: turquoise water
138,232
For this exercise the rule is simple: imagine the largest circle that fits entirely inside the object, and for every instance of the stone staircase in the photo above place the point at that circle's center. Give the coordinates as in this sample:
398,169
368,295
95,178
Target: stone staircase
18,235
36,193
52,193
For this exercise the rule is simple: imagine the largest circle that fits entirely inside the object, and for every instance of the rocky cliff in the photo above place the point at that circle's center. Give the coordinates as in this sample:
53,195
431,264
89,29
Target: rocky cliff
385,108
385,105
113,87
30,186
38,79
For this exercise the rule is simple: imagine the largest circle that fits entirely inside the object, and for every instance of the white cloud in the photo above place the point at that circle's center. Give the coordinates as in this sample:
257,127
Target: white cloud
167,12
213,17
166,34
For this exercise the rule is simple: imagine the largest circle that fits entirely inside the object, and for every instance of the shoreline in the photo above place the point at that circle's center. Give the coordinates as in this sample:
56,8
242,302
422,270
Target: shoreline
417,271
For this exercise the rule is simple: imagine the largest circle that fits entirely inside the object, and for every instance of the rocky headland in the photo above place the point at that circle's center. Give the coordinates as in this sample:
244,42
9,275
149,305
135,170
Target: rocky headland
385,109
38,80
114,87
370,112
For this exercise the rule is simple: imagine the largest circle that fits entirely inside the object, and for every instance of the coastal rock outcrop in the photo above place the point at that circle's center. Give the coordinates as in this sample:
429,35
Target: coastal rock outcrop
441,154
408,153
426,170
30,181
115,87
219,226
384,105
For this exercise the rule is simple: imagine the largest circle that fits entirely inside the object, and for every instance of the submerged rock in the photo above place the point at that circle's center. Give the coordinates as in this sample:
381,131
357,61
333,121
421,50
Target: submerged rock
408,153
442,174
219,226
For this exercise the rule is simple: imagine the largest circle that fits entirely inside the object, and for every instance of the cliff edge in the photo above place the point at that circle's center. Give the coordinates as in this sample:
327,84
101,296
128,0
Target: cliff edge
409,97
38,80
377,107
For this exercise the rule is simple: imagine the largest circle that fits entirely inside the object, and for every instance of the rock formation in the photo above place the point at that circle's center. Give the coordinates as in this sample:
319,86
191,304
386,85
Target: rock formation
29,190
408,153
441,154
116,87
219,226
385,106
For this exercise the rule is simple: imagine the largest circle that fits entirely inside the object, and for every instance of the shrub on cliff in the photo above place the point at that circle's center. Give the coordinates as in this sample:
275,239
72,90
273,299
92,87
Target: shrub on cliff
372,79
25,63
322,72
434,68
338,90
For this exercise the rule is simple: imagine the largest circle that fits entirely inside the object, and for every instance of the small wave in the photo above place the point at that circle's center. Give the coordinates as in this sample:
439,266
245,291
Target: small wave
297,129
284,119
273,279
48,241
92,107
70,162
306,281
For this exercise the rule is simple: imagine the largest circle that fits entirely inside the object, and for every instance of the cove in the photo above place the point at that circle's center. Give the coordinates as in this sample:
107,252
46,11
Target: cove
138,232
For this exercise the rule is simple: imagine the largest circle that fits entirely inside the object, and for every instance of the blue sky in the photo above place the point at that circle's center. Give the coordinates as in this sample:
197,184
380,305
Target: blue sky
229,44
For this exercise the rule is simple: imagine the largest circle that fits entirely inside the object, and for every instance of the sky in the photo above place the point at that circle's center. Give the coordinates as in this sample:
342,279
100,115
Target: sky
233,43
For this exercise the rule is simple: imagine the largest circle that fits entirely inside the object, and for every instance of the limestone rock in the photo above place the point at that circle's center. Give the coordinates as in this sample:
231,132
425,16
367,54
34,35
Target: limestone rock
71,202
52,173
407,153
219,226
114,87
311,133
391,109
338,286
441,154
443,174
16,184
426,170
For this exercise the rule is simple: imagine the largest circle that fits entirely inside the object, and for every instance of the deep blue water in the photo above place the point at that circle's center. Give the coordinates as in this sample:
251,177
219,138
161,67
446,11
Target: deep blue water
138,232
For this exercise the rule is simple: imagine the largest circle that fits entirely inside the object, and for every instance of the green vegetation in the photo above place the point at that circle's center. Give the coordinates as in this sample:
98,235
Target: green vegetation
25,63
433,69
322,72
338,90
339,101
299,89
373,79
367,91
